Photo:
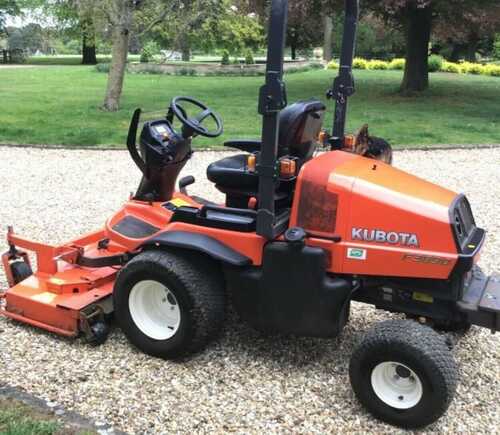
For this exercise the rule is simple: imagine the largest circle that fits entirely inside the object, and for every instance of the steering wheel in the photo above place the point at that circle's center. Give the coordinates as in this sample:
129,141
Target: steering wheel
194,124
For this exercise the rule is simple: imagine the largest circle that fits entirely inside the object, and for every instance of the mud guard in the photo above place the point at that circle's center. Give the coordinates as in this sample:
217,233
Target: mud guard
201,243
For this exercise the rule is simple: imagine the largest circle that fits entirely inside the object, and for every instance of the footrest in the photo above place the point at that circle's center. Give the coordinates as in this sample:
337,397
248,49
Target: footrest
481,301
491,296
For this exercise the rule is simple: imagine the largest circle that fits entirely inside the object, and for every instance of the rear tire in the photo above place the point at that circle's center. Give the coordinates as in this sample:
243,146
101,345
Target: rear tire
170,305
404,373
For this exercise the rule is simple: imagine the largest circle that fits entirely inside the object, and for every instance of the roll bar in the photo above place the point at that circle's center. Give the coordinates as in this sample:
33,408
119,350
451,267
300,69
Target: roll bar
343,85
272,100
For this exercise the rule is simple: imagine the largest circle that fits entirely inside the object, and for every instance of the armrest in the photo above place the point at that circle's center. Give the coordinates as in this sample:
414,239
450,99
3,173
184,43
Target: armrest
248,146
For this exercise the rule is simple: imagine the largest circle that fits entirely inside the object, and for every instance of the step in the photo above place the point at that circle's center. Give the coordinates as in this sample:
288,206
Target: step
474,291
481,300
491,296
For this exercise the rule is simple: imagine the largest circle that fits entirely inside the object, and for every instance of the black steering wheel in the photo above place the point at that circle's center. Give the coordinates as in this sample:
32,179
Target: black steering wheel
194,124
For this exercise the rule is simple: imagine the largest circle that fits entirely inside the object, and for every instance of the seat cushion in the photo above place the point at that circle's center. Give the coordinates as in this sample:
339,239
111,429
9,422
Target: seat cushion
231,172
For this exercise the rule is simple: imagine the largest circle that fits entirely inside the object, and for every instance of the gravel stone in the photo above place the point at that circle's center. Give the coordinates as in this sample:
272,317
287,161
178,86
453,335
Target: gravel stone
244,382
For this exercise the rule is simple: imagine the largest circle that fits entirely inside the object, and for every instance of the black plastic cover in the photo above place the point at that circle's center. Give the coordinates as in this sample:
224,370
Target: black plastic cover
291,292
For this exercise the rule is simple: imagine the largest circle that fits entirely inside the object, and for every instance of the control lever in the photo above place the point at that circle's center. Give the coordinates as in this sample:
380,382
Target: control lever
185,182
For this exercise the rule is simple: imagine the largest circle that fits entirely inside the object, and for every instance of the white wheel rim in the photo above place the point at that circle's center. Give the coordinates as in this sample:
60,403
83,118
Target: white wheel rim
396,385
154,309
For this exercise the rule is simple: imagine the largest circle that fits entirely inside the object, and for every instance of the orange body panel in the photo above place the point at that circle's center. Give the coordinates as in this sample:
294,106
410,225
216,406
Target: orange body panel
372,196
248,244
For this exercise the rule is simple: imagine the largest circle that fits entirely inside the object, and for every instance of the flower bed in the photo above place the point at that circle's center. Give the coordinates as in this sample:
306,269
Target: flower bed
438,64
215,69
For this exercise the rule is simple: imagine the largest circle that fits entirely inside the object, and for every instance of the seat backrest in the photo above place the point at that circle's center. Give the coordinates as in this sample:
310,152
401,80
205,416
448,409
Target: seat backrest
300,125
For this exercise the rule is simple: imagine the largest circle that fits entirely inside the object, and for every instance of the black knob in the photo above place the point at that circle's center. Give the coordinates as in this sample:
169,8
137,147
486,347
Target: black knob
295,235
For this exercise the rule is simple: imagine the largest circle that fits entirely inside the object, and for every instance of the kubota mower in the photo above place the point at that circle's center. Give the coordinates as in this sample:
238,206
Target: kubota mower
300,236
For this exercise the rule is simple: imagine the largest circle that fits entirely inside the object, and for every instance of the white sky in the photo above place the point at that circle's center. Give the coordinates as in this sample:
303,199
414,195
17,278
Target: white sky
28,18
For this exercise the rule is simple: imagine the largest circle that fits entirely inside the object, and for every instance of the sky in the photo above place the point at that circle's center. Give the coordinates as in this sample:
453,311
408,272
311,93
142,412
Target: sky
27,18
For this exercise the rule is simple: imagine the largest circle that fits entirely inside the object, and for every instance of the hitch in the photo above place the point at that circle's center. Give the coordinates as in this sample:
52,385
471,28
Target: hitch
12,255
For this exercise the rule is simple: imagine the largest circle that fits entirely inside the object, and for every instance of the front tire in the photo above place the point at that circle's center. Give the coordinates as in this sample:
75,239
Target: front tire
404,373
169,305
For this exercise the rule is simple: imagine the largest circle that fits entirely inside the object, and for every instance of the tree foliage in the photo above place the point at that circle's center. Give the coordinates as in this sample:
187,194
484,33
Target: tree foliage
418,19
7,7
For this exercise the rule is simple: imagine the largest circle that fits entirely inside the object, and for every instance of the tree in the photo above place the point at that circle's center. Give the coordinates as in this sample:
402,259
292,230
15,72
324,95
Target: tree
74,18
7,7
417,18
121,15
31,37
469,32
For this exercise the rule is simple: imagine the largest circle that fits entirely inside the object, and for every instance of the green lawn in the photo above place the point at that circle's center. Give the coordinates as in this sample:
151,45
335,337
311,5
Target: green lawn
60,105
18,418
70,59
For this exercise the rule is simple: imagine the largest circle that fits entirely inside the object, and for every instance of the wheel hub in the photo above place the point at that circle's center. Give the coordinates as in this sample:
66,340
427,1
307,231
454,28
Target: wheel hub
154,309
396,385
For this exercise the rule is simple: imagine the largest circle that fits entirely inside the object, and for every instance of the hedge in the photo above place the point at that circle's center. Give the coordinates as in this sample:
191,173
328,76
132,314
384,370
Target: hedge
436,63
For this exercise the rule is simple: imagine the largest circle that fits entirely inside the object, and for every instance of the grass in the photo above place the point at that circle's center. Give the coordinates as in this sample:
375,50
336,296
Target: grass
70,59
60,105
17,418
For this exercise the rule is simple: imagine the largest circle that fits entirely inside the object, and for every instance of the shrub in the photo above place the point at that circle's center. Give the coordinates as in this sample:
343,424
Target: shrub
185,72
332,65
148,52
473,68
435,62
397,63
103,67
315,65
225,58
451,67
496,46
359,63
378,65
235,61
492,70
249,60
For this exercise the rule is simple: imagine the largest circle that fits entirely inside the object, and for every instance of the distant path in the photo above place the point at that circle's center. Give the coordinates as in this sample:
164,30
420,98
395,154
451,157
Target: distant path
16,66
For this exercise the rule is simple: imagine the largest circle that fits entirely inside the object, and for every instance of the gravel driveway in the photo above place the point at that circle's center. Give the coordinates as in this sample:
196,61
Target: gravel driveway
244,382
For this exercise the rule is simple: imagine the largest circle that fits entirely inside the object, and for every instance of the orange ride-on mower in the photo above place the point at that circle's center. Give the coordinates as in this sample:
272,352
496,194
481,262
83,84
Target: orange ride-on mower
300,236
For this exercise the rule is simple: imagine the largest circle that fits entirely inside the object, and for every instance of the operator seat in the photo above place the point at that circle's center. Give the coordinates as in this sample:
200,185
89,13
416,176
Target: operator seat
300,125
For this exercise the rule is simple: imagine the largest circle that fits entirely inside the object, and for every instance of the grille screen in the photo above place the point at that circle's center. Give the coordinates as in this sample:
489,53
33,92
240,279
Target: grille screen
463,220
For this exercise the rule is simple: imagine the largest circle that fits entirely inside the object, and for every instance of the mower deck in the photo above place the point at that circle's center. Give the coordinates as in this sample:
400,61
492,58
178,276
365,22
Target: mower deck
62,294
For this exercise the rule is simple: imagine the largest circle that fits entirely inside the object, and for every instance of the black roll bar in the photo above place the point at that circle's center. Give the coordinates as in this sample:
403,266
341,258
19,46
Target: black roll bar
343,85
272,100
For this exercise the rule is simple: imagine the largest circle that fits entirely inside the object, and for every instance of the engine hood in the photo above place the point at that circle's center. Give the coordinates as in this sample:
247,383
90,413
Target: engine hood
374,206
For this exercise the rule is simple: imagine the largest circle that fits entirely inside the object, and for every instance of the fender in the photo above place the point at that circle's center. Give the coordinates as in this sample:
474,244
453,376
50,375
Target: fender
201,243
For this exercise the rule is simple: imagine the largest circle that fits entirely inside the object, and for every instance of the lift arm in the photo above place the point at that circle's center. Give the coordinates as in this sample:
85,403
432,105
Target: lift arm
343,85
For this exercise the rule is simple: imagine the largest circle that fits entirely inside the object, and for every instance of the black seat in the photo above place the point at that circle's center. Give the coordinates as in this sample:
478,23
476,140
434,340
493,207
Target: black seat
300,124
232,172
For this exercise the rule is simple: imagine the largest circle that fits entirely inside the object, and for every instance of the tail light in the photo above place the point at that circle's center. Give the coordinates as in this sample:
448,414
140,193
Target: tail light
349,141
251,162
288,168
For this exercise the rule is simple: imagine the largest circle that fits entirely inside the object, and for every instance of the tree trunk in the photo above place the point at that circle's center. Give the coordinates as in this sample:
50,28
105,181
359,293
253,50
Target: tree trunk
88,42
455,52
327,38
292,40
185,50
472,45
418,23
117,69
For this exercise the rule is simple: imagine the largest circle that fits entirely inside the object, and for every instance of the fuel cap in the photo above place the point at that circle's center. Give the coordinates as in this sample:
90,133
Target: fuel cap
295,235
